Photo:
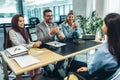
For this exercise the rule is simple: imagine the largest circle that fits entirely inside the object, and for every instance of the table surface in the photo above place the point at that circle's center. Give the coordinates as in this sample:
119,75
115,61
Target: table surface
45,57
49,56
72,49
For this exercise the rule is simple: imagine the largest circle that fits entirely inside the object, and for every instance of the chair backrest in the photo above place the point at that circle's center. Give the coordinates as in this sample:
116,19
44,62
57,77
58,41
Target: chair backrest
62,18
32,33
31,29
115,76
6,27
74,76
33,21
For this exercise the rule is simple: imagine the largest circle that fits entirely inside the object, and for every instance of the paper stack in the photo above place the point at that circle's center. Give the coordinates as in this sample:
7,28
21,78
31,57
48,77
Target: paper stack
16,51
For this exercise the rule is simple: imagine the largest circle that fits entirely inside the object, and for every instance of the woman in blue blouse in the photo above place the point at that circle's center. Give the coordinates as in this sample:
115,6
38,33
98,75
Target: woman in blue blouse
108,55
70,27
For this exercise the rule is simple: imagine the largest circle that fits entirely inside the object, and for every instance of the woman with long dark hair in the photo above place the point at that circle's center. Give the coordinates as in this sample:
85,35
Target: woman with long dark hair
107,57
18,35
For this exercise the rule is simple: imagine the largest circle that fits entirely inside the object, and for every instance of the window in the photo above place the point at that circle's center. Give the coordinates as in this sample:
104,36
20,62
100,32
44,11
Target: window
61,10
111,6
35,8
8,8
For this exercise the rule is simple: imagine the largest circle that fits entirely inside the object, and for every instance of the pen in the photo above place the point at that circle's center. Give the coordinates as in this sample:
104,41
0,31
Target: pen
55,43
15,49
28,52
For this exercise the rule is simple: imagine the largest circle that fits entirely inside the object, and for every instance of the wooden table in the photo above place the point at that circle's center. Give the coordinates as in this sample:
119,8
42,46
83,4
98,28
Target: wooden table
46,57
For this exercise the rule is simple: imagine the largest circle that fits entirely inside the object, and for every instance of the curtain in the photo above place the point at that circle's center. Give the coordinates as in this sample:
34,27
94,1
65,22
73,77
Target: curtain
111,6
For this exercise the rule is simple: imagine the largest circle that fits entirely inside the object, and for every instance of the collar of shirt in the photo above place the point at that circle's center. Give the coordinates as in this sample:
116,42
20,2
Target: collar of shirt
69,25
48,27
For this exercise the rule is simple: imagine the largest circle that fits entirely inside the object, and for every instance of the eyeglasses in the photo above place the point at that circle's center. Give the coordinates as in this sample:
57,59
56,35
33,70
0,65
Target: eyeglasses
49,15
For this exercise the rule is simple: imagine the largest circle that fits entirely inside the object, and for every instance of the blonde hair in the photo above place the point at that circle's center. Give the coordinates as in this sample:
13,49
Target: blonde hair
70,13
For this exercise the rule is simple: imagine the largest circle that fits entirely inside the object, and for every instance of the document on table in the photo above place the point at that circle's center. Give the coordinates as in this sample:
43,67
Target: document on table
55,44
26,60
17,50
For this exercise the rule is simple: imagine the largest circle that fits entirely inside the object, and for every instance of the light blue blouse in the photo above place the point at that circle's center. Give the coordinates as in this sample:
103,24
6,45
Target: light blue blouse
102,59
69,32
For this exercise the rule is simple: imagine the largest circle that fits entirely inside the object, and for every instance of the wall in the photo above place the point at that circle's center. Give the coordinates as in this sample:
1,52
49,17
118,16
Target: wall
85,7
79,7
99,7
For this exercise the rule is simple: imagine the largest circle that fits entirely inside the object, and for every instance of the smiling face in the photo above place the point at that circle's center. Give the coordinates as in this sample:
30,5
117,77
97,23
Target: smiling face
48,17
70,18
21,22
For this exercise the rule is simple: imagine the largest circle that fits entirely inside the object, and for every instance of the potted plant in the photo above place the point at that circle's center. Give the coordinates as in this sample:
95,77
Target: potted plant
90,25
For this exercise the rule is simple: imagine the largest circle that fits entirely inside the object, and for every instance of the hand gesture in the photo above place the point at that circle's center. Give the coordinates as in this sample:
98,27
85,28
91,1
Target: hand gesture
37,44
61,36
54,30
75,25
82,69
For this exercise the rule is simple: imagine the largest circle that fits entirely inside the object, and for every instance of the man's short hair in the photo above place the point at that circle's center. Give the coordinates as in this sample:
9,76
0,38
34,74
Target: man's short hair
47,10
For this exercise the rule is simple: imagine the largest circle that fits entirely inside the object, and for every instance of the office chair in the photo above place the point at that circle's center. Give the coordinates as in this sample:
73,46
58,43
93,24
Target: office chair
115,76
97,75
31,29
33,21
105,74
62,18
74,76
6,27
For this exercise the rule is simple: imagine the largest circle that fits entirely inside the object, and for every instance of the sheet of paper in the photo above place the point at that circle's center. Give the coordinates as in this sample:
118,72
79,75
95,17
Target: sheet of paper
56,44
26,60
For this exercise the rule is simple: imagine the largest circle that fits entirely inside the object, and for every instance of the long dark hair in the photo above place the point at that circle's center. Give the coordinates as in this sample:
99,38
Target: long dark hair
22,31
112,22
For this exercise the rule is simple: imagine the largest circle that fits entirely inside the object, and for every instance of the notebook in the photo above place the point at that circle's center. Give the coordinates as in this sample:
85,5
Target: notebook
16,51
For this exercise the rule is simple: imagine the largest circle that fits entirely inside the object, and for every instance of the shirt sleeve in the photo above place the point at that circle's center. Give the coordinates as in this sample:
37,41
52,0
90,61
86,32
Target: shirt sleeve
97,62
78,30
15,41
67,32
42,36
